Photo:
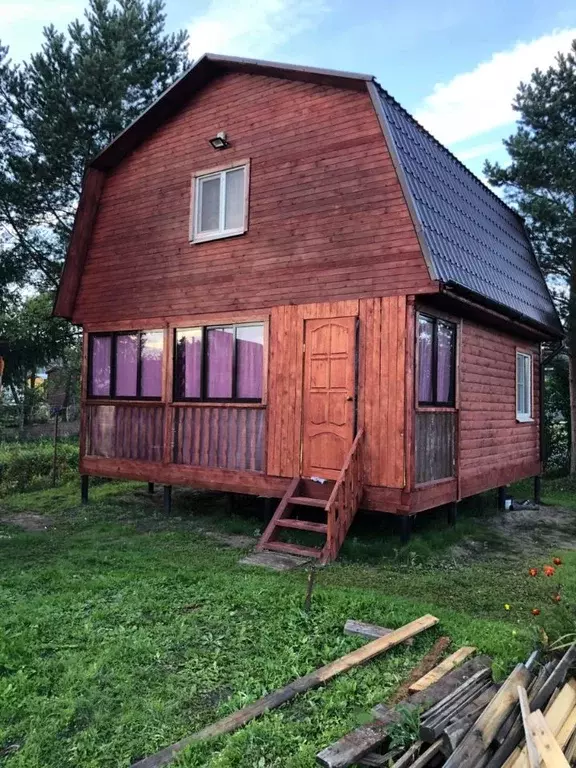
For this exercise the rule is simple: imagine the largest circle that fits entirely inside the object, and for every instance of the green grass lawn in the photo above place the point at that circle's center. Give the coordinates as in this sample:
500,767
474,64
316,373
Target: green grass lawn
122,630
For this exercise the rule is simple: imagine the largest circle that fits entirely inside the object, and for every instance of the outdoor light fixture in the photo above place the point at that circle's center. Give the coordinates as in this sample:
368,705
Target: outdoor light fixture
219,141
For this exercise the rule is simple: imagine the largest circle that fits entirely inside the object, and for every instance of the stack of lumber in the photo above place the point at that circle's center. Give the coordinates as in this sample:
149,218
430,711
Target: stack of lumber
469,721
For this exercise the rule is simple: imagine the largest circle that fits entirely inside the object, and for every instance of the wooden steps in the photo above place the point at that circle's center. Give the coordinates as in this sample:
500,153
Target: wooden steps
339,500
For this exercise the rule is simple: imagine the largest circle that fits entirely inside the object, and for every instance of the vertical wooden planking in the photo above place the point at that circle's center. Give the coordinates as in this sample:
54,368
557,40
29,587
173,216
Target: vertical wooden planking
386,424
273,411
400,375
409,392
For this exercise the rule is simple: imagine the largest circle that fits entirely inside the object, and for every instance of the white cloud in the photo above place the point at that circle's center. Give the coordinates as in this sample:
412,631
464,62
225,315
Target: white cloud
252,28
475,102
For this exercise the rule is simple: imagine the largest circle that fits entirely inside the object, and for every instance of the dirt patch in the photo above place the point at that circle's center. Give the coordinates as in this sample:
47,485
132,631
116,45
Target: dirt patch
28,521
234,540
523,532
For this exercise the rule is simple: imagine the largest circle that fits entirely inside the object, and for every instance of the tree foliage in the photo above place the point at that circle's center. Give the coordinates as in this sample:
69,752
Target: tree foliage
59,109
540,181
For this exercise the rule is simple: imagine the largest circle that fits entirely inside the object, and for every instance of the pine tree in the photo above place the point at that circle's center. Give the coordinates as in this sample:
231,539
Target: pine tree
540,181
59,109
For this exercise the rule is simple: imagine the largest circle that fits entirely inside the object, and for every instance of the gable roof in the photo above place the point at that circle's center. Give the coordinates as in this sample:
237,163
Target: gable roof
472,241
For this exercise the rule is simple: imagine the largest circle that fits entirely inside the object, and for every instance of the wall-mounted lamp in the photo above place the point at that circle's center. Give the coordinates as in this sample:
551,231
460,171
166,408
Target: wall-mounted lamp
219,141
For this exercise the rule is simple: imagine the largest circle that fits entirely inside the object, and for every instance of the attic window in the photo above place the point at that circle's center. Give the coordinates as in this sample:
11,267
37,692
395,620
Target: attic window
220,205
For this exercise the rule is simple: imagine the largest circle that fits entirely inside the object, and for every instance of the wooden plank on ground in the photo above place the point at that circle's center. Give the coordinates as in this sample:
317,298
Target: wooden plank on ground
454,660
546,744
567,730
354,745
482,733
426,664
371,631
531,748
237,719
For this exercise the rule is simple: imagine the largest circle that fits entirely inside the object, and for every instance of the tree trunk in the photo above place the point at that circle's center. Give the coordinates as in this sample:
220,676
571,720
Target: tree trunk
571,348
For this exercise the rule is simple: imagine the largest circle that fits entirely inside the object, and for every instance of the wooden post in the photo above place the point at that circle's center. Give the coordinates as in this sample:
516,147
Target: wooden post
150,487
501,497
537,489
84,489
452,513
270,505
405,528
168,499
230,503
55,456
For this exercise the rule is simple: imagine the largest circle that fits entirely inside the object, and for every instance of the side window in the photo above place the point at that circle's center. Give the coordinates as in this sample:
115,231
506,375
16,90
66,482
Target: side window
220,204
436,362
126,364
523,386
224,362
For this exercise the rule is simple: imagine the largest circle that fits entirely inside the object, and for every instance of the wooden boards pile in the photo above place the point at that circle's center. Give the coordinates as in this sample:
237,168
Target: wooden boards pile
469,721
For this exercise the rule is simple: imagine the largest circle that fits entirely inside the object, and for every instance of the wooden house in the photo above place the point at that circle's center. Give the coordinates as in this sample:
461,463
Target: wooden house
283,279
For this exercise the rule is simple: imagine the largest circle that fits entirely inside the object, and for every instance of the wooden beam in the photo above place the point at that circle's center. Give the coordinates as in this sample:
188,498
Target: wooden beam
454,660
531,749
546,745
236,720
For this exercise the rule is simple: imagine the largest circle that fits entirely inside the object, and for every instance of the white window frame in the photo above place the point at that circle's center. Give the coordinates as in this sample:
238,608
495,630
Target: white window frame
201,237
524,416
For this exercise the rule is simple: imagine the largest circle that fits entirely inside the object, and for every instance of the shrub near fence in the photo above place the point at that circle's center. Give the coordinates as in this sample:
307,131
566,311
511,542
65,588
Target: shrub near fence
28,466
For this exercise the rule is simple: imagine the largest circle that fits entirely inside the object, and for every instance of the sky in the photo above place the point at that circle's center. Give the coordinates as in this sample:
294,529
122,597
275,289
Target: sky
454,64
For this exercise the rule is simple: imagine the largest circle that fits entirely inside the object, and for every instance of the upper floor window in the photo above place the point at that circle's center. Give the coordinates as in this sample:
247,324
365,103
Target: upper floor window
224,362
523,386
220,204
126,364
436,362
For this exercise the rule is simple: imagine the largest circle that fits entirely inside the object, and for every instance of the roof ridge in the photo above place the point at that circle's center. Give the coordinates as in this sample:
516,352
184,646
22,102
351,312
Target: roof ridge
448,152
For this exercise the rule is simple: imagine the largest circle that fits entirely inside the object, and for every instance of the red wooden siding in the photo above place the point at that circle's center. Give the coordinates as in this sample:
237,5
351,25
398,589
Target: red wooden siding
327,216
125,431
225,437
494,448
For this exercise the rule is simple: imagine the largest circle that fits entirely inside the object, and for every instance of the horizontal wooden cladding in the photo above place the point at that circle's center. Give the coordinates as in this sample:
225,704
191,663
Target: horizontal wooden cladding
382,388
494,448
203,478
433,495
125,431
327,216
225,438
435,439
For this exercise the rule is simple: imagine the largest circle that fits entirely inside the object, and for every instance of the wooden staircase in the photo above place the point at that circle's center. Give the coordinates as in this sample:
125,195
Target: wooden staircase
339,500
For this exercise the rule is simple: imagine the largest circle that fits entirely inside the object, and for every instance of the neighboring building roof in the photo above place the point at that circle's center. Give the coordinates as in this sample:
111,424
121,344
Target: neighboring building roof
474,240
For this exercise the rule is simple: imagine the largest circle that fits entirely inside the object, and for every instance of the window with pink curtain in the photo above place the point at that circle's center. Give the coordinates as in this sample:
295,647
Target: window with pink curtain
151,355
100,366
425,356
189,363
436,361
249,362
126,381
220,362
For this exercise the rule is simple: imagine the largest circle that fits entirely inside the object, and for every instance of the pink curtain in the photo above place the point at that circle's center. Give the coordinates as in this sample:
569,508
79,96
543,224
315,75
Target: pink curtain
444,358
126,365
100,366
220,353
249,362
425,341
152,352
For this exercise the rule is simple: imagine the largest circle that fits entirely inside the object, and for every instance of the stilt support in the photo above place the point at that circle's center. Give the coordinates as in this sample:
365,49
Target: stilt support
501,497
406,522
168,499
270,505
84,489
150,487
452,513
537,489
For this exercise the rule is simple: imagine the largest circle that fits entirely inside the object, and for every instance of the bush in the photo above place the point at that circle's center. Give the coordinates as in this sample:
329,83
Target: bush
28,466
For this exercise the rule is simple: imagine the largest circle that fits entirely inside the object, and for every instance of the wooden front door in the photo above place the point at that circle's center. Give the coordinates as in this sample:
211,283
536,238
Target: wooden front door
329,395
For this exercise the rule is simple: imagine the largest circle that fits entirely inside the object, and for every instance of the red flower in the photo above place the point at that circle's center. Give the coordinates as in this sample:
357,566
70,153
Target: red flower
533,571
557,561
535,611
549,570
556,598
